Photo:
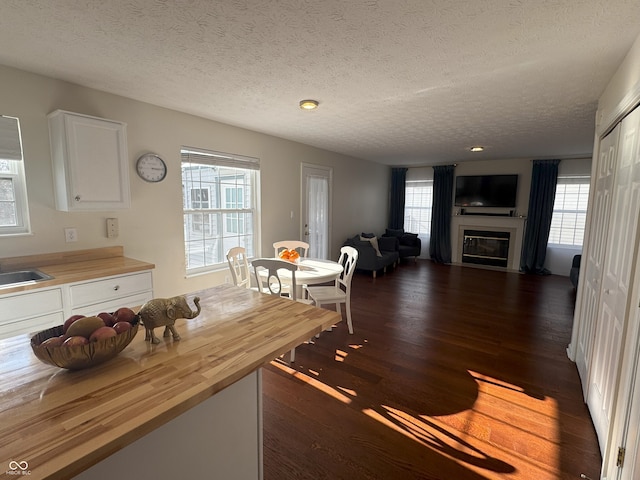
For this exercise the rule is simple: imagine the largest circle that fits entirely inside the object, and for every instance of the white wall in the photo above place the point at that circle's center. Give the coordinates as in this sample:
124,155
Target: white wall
151,230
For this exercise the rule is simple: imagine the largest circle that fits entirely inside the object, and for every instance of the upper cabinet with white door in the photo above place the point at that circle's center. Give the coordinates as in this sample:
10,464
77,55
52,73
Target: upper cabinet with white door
90,167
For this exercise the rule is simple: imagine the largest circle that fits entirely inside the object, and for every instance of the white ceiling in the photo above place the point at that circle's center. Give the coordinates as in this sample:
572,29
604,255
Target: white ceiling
400,82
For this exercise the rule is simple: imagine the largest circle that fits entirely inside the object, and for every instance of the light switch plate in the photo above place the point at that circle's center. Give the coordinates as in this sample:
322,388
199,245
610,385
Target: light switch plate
70,235
112,228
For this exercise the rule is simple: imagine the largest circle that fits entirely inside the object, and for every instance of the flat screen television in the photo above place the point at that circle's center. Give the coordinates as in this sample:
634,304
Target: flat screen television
486,191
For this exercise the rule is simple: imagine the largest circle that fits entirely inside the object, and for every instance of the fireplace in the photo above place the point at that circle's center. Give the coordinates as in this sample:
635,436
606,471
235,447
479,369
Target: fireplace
486,247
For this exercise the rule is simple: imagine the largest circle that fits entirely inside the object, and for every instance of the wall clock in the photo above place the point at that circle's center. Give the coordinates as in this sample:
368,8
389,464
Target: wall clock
151,168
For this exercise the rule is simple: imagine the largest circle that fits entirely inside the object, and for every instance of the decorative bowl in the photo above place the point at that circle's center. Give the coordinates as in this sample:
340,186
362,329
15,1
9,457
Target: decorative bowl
81,356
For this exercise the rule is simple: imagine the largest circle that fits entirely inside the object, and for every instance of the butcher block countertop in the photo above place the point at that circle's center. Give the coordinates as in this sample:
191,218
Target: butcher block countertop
61,422
73,266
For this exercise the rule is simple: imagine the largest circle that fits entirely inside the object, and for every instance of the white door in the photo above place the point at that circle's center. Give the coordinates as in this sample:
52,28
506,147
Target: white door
593,256
615,295
315,188
625,424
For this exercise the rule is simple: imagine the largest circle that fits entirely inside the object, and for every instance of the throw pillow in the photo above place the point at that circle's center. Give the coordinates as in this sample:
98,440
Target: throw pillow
374,243
392,232
409,239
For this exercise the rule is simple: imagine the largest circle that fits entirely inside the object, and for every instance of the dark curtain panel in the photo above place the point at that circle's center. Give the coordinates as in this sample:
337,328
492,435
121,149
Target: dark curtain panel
440,243
543,191
396,213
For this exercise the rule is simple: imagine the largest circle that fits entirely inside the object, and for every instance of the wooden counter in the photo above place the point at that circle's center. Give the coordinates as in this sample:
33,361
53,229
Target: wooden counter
63,422
73,266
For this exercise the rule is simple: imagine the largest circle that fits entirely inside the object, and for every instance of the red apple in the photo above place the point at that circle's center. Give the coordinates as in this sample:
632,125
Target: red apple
124,314
69,321
102,333
107,318
120,327
73,341
54,341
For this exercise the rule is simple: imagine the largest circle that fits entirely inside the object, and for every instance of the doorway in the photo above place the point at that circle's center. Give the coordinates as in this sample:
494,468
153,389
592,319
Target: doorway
316,187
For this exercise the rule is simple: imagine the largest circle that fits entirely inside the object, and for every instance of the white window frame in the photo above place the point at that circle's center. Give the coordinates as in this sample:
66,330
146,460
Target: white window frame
424,206
12,170
215,239
561,225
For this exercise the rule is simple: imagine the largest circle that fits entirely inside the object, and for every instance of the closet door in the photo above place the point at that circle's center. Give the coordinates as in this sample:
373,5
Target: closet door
615,293
593,256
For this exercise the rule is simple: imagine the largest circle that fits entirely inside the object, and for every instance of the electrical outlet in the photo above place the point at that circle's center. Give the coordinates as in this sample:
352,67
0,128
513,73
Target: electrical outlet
70,235
112,228
227,280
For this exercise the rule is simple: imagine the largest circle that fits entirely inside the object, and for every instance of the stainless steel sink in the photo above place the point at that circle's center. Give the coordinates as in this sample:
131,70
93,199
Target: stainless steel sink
23,276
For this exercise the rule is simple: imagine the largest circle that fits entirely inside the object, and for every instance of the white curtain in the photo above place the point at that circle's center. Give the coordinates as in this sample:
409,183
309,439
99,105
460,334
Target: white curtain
318,195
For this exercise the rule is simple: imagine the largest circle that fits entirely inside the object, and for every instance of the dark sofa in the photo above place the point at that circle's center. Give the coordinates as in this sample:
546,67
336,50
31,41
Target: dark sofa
409,245
368,258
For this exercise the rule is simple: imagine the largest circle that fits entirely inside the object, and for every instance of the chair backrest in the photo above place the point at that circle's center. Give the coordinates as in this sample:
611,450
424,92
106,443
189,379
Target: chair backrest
348,259
300,246
239,267
271,281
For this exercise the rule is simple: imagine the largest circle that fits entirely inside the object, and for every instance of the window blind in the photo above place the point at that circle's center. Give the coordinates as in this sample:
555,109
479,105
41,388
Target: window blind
10,147
219,159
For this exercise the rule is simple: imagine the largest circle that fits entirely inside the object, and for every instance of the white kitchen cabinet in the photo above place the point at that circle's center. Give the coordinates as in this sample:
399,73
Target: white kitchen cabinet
36,310
109,294
30,312
90,166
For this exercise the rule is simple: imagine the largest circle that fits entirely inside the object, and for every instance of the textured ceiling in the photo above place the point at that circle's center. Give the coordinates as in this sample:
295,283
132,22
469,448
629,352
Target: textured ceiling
401,82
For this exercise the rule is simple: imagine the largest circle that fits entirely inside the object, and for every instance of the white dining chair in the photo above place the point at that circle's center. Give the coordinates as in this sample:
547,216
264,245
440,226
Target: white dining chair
340,292
239,267
271,283
301,247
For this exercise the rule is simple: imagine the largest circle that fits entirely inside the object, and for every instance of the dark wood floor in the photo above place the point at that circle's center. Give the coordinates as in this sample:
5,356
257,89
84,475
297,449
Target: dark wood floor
452,373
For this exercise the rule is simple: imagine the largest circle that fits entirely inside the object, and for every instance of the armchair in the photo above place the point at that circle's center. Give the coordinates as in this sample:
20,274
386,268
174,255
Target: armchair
409,244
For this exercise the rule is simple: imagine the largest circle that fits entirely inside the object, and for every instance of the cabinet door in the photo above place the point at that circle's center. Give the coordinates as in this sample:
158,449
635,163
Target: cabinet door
31,326
107,289
28,312
90,162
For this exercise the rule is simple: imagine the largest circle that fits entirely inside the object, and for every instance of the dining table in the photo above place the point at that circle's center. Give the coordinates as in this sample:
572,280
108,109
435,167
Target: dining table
312,271
179,409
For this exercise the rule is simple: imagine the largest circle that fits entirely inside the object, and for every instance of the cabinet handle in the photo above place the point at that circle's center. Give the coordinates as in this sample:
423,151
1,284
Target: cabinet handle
77,197
117,287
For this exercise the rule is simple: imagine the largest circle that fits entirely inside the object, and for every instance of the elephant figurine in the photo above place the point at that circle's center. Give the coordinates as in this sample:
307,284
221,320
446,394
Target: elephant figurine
160,312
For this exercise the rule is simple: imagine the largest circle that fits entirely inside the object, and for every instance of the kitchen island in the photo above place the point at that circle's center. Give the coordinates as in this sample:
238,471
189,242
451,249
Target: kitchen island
135,412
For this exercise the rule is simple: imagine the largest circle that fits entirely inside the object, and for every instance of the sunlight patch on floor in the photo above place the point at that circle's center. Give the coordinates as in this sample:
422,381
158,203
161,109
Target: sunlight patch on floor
526,414
323,387
438,438
340,355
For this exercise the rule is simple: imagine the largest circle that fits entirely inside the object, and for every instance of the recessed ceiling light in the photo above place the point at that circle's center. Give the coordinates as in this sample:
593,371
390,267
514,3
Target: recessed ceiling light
308,104
476,149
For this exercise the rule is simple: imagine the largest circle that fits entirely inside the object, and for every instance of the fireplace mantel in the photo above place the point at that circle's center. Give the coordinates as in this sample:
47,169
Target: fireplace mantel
513,225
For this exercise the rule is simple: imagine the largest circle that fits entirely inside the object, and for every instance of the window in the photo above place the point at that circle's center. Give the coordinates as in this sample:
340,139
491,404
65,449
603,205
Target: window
233,200
417,206
220,203
14,212
570,210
